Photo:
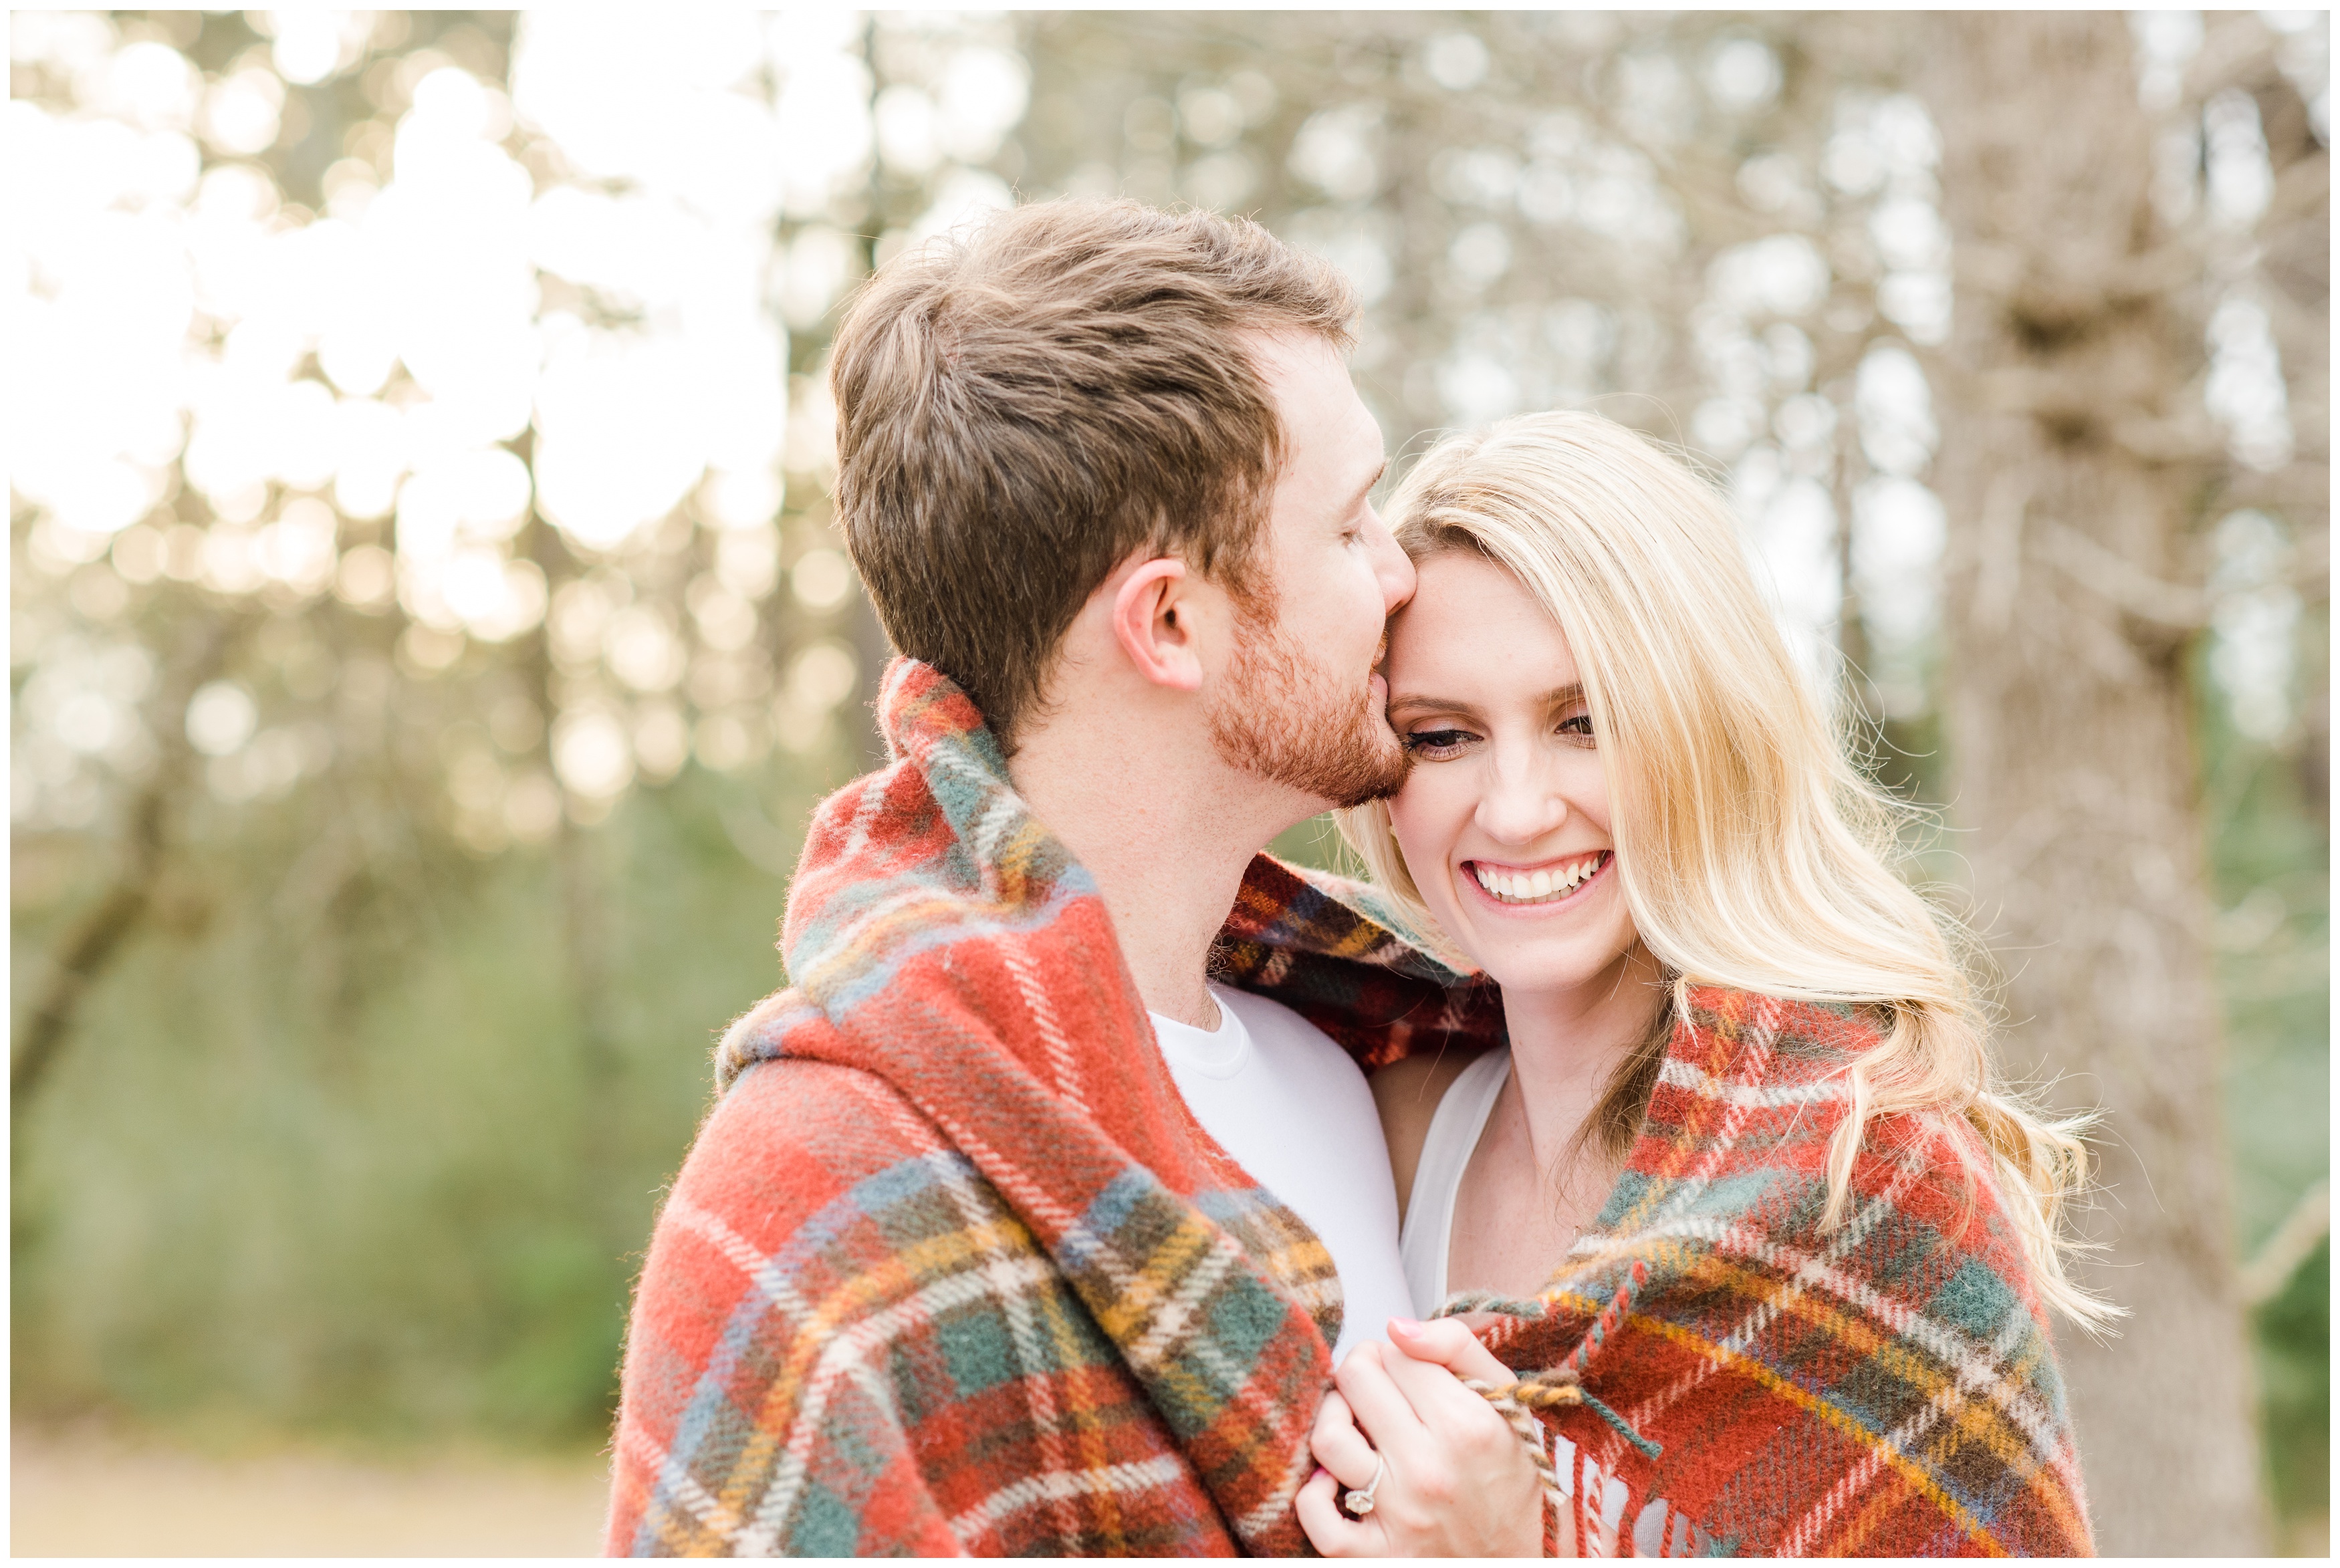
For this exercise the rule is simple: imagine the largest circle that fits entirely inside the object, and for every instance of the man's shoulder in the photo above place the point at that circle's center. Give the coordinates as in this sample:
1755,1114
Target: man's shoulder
815,1199
796,1098
828,1275
1272,1023
792,1139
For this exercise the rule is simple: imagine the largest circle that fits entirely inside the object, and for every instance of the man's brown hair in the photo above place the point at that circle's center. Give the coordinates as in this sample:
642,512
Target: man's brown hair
1022,406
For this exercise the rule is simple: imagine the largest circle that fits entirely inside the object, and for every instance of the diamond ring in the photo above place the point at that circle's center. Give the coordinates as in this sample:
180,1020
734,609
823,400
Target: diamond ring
1359,1501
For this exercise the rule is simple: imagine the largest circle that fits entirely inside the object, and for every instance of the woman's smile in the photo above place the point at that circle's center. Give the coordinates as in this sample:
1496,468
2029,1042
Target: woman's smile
1507,791
1625,813
1545,888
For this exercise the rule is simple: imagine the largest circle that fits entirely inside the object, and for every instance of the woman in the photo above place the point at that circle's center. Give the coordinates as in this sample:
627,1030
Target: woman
1743,1187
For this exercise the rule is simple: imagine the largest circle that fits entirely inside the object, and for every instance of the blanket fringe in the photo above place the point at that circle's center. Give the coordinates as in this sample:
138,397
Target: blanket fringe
1528,1307
1517,1402
1558,1386
1549,1390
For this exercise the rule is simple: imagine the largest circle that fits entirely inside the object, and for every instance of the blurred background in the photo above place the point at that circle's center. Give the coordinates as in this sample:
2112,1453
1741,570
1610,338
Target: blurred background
429,636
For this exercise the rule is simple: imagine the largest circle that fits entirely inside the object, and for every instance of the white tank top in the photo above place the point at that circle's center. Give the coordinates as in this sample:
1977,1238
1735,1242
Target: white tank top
1454,1129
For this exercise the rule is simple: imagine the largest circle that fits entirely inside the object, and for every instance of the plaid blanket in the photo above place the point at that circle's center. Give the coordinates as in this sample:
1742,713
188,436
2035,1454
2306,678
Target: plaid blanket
951,1268
1766,1387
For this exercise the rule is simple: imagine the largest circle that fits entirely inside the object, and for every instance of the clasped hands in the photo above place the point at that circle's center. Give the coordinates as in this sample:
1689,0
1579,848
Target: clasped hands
1457,1483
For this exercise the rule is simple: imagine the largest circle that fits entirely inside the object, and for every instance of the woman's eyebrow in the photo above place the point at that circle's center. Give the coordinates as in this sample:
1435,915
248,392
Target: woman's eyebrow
1441,705
1559,697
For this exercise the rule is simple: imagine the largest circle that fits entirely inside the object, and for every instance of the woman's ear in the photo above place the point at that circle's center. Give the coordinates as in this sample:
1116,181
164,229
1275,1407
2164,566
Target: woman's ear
1153,620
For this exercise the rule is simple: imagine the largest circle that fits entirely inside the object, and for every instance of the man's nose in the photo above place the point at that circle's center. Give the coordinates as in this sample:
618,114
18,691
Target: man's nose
1392,568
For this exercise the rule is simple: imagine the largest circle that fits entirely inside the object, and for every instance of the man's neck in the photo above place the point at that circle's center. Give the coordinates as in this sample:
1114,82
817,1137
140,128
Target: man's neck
1165,827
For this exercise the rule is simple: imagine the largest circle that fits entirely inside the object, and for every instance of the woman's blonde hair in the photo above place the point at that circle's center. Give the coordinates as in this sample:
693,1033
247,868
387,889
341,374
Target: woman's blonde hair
1753,855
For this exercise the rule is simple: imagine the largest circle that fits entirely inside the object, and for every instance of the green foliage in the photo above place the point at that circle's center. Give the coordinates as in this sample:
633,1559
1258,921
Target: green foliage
2270,852
388,1171
1316,843
362,1132
2295,1363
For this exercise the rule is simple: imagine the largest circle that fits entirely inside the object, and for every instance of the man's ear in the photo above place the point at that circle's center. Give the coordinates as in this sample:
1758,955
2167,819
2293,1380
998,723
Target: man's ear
1153,620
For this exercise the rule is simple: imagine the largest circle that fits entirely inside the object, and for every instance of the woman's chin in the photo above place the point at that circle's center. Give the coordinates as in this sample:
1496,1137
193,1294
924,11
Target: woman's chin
1526,956
1532,968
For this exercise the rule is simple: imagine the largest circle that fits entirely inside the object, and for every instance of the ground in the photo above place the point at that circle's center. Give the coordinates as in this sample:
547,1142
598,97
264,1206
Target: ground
83,1493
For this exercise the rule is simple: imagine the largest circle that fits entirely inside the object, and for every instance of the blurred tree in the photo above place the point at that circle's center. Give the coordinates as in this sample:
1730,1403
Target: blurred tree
421,460
428,633
2081,469
1753,221
449,370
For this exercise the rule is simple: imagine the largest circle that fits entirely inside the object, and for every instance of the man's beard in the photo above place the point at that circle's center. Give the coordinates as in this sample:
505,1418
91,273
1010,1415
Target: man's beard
1283,719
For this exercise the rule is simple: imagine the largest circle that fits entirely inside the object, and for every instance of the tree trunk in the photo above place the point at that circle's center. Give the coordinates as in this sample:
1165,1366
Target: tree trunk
2075,467
96,940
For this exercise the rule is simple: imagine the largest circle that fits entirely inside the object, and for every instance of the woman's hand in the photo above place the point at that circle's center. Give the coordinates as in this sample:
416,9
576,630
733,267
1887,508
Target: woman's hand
1457,1481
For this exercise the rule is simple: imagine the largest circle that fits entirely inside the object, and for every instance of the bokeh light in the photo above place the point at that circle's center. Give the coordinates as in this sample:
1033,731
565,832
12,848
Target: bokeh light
419,490
555,298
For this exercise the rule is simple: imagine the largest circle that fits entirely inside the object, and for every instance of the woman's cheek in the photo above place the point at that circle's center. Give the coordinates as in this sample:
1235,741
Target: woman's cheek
1428,826
1409,813
1587,787
1622,932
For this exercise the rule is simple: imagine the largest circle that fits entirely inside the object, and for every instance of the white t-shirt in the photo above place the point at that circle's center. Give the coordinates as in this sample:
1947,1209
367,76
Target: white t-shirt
1294,1110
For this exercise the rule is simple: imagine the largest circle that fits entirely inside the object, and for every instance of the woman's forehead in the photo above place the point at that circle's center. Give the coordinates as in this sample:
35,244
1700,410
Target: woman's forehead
1474,632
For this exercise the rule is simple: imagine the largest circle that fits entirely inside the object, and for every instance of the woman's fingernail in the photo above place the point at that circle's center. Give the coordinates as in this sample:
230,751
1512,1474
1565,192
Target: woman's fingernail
1405,1326
1320,1470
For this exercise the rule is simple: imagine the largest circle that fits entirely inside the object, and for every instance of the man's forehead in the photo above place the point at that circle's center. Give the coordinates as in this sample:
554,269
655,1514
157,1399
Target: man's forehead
1291,362
1356,437
1328,423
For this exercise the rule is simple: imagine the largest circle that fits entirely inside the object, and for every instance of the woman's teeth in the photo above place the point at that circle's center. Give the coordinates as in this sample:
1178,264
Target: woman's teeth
1548,885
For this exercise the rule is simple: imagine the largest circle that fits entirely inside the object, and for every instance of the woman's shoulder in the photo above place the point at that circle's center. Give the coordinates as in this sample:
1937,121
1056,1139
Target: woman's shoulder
1748,1034
1761,1083
1407,1094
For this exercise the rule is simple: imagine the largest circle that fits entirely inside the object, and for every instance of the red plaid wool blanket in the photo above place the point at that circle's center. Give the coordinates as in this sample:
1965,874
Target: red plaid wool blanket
1766,1387
951,1270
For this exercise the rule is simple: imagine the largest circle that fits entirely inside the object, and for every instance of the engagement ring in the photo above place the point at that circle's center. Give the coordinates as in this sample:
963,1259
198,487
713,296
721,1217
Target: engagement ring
1360,1502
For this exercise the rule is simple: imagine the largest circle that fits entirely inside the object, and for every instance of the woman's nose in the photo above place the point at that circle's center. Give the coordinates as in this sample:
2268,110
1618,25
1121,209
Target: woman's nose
1520,805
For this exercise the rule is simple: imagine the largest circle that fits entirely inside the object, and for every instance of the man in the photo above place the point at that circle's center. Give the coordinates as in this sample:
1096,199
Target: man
1010,1234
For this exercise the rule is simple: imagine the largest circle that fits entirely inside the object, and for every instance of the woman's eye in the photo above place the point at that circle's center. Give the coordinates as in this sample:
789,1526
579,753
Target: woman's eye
1578,726
1438,743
